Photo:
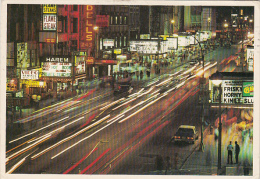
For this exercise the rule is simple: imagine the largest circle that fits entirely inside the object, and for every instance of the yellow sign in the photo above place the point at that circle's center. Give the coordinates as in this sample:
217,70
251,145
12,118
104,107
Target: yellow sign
49,8
31,83
117,51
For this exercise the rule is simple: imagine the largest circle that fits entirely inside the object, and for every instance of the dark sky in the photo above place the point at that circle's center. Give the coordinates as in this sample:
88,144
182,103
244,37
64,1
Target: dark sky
224,12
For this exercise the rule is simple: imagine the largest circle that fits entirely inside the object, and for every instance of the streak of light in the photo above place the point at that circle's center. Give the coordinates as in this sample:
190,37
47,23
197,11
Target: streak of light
111,104
28,147
174,73
80,161
164,82
124,104
116,117
60,128
19,145
83,139
137,144
155,92
141,109
152,83
68,138
38,130
201,71
95,161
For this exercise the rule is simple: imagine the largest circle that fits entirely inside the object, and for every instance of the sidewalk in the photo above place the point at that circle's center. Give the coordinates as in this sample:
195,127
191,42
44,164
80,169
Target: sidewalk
205,163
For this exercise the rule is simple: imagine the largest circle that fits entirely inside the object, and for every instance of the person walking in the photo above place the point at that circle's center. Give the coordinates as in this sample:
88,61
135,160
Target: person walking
237,150
141,75
230,148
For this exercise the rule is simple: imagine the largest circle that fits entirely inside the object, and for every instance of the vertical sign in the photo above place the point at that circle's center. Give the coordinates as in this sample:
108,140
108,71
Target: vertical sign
250,58
49,17
22,55
234,20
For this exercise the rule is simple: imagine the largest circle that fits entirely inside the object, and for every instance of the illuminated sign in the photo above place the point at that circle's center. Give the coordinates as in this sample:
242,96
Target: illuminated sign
80,65
145,47
234,20
56,69
144,36
57,58
49,8
172,43
32,83
89,25
30,74
250,58
90,60
102,20
117,51
121,57
48,40
233,92
49,22
183,41
22,55
108,42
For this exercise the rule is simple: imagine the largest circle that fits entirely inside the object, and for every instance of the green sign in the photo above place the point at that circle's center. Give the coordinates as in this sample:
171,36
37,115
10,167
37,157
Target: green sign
248,89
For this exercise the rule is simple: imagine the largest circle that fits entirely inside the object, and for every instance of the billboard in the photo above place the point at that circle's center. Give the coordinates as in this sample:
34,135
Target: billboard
234,20
53,69
183,41
172,43
250,58
108,42
233,92
80,65
22,55
145,47
49,8
49,22
30,74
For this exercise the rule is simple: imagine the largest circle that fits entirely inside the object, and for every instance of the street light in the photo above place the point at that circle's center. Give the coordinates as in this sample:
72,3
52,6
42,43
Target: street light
217,80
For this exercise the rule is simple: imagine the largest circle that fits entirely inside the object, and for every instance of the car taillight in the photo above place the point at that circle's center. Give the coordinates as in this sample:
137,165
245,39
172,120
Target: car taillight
177,137
119,87
190,138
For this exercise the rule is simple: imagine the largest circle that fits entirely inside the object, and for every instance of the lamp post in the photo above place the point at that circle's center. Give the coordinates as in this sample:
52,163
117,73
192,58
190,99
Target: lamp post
202,82
217,80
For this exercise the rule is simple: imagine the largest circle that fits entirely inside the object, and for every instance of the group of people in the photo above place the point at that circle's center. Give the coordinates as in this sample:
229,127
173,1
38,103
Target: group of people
230,152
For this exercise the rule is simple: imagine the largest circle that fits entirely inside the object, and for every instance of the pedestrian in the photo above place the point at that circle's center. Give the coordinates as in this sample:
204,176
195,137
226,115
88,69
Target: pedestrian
230,148
237,150
141,74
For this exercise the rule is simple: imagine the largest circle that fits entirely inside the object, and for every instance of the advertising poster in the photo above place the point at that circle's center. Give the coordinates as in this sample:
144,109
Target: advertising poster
22,61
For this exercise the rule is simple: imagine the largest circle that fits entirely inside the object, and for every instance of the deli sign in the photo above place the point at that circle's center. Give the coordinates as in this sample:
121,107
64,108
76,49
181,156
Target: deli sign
29,74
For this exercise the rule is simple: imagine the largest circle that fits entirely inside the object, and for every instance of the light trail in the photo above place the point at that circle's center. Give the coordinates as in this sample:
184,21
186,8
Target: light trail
124,104
141,109
68,138
152,83
163,82
116,117
38,130
111,104
27,148
84,139
60,128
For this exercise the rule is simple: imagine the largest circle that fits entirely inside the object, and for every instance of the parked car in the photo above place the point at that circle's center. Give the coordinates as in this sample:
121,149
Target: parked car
186,133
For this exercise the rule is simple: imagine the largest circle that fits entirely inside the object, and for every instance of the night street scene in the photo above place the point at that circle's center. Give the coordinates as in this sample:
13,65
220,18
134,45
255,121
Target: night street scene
129,89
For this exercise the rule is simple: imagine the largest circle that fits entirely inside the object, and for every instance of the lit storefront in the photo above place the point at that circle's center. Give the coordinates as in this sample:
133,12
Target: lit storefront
57,72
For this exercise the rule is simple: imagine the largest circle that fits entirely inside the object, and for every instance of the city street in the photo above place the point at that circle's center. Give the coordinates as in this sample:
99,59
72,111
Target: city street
98,130
128,89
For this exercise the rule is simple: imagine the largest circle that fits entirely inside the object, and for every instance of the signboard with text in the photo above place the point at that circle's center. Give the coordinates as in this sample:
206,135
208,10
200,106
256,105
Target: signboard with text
108,42
49,9
172,43
30,74
233,92
250,58
145,47
22,55
49,22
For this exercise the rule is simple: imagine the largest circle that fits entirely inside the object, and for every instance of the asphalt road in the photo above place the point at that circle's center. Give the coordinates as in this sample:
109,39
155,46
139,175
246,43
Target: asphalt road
100,133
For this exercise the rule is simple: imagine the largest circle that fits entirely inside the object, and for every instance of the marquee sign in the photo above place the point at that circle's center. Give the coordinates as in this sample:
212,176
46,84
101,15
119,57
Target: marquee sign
233,92
145,47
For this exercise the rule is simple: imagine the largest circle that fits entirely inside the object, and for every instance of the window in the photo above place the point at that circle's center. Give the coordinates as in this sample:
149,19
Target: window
75,7
116,20
125,20
120,41
124,41
101,44
116,42
111,20
120,20
75,25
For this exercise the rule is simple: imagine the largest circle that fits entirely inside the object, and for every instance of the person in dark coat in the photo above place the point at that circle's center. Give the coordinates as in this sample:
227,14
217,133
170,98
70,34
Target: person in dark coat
237,150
